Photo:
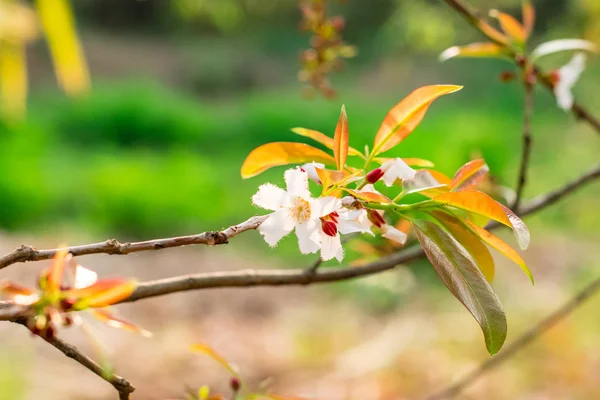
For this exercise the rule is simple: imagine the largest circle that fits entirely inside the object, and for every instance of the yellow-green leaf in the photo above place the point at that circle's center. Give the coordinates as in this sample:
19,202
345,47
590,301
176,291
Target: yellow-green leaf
369,197
340,141
465,281
102,293
487,49
404,117
482,204
323,139
470,241
13,78
282,153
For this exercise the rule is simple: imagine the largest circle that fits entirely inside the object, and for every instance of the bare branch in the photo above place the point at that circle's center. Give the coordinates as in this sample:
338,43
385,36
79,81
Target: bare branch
526,152
521,342
112,246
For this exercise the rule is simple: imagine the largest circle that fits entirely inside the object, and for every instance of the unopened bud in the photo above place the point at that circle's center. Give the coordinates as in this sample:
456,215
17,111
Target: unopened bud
521,61
338,23
67,304
507,76
49,333
376,218
374,175
235,384
329,227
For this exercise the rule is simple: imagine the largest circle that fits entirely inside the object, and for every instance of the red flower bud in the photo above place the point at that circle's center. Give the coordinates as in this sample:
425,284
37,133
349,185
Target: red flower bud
67,304
374,175
329,227
235,384
376,218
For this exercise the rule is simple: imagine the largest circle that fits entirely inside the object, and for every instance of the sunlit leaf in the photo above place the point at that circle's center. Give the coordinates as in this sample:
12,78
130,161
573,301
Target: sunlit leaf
114,322
470,175
369,197
473,50
440,177
13,78
555,46
282,153
491,32
323,139
470,241
510,26
203,393
69,62
212,353
102,293
57,270
528,17
329,178
18,294
465,281
482,204
404,117
340,141
500,245
18,22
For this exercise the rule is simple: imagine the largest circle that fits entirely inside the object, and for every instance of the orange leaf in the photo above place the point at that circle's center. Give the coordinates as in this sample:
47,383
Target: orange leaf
323,139
369,197
482,204
440,177
500,245
106,317
469,175
102,293
470,241
212,353
18,294
510,26
491,32
404,117
281,153
528,17
57,270
340,140
487,49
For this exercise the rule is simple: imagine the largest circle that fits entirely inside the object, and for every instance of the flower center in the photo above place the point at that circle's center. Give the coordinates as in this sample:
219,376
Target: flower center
300,210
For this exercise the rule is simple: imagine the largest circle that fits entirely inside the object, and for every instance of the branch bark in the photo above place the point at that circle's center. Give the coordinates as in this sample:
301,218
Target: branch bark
526,152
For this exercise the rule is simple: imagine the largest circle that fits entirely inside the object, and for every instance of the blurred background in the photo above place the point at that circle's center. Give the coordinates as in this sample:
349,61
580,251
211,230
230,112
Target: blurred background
181,91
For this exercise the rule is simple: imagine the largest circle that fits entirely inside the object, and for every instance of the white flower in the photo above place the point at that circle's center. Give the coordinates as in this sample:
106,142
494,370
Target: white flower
396,169
311,171
294,209
566,77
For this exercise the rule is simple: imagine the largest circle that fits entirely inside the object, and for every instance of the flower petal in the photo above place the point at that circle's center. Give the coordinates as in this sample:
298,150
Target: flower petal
311,171
353,221
328,204
269,197
331,247
396,169
308,236
389,232
296,182
567,77
278,225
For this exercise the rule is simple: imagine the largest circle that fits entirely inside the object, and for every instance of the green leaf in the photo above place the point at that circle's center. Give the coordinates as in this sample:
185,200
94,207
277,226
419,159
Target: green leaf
465,281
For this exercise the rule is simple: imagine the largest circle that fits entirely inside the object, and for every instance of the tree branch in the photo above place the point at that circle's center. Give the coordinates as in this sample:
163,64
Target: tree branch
521,342
112,246
526,152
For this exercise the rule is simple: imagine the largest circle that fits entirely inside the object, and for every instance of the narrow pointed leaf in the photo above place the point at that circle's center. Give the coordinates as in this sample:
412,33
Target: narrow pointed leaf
57,270
102,293
465,281
500,245
555,46
114,322
340,141
282,153
478,50
369,197
510,26
212,353
492,32
482,204
404,117
470,175
470,241
18,294
69,62
528,17
323,139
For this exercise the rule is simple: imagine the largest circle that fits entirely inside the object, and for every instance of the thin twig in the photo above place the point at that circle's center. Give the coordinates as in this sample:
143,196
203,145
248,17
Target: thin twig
474,19
522,341
526,152
112,246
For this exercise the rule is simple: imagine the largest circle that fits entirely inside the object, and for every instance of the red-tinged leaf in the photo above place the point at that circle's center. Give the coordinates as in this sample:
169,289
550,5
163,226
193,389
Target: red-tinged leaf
114,322
470,175
500,245
528,17
473,50
369,197
323,139
411,162
340,141
465,281
470,241
404,117
57,270
212,353
282,153
18,294
510,26
102,293
482,204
